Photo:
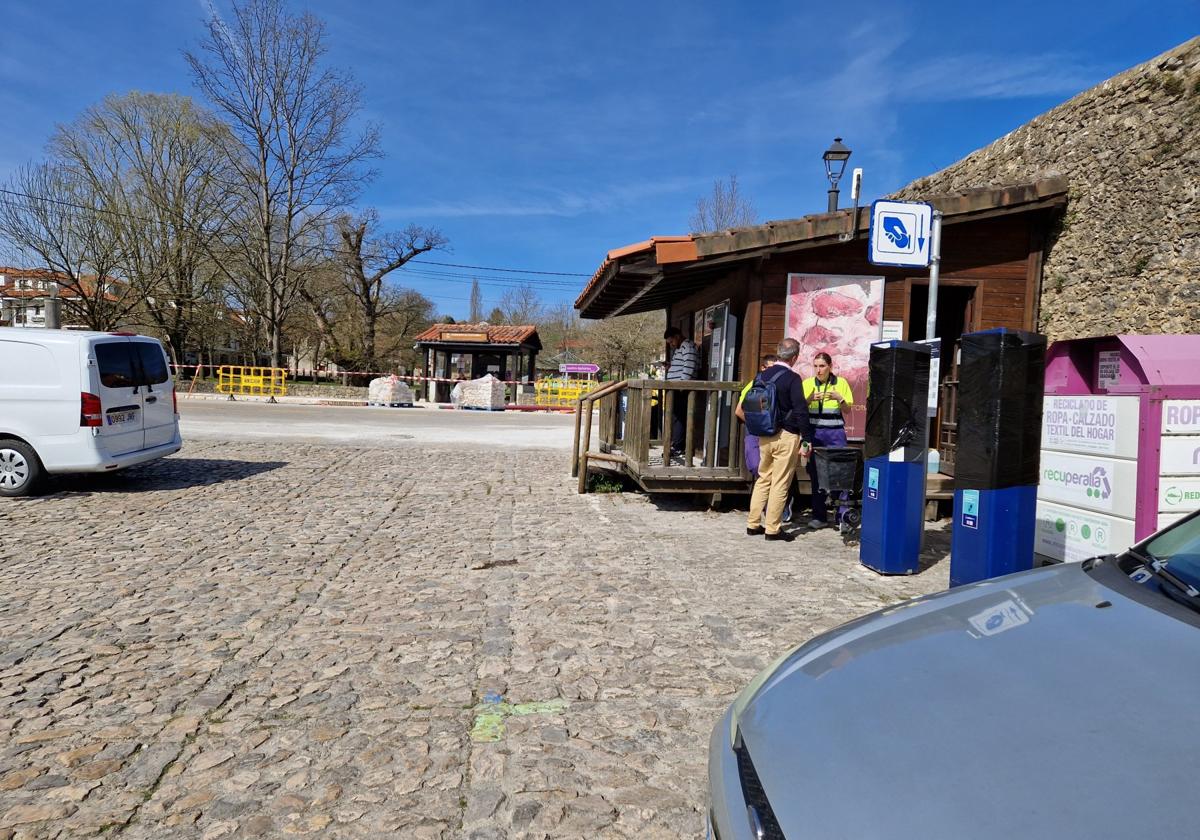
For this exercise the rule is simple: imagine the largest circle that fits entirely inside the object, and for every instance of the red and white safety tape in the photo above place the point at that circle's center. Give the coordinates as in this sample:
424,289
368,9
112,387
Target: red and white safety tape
333,376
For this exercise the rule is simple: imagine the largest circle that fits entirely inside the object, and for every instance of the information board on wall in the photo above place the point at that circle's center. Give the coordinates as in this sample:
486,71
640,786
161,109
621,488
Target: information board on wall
840,315
1178,495
1181,417
935,374
1068,534
1108,368
1089,482
1086,425
1087,492
1179,461
1179,455
892,331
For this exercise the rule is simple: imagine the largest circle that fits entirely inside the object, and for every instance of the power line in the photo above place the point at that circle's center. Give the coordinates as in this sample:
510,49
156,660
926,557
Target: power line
485,281
322,248
512,270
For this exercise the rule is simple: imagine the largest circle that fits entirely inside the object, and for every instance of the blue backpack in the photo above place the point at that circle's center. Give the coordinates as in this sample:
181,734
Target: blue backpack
761,408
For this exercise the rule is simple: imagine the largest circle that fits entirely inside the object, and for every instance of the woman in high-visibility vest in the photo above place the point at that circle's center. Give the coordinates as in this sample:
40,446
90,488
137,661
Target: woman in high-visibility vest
827,395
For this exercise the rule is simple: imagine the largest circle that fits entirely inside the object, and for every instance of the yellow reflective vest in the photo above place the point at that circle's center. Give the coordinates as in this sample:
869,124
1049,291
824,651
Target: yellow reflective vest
823,411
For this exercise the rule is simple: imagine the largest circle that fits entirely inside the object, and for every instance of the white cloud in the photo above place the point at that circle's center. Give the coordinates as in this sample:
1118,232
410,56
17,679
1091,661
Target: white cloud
552,202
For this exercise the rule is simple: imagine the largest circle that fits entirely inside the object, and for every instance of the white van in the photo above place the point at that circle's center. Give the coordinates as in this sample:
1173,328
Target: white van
74,401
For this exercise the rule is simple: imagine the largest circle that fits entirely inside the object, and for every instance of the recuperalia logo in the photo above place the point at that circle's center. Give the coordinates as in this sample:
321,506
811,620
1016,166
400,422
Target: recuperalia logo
1095,483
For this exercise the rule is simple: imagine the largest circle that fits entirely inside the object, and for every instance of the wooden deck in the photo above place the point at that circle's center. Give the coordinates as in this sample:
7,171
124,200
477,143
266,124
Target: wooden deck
633,421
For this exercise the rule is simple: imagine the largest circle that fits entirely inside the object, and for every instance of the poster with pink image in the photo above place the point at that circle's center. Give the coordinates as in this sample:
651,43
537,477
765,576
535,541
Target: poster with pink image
841,315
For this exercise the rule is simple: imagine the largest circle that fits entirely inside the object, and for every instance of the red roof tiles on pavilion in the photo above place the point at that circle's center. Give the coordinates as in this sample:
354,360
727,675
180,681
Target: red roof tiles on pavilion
495,334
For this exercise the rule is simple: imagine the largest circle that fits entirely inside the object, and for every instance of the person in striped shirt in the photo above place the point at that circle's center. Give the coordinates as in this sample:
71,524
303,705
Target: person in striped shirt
685,365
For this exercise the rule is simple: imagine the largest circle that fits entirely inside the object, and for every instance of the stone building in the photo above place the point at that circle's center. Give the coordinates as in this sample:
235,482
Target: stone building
1124,257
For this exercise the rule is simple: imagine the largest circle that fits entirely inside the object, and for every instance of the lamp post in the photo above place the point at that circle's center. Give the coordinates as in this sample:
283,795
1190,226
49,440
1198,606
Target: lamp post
835,158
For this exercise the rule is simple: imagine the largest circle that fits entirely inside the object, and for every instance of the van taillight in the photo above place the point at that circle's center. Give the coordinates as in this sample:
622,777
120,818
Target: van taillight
91,413
174,398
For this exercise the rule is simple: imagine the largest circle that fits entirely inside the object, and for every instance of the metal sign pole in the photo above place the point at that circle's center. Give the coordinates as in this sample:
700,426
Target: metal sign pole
935,263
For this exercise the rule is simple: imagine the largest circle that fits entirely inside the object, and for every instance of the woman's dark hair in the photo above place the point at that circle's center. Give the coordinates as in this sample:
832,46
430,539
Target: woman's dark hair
825,358
673,332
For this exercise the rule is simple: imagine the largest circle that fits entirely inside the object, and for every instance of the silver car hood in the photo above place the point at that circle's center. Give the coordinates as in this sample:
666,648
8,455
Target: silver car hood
1010,708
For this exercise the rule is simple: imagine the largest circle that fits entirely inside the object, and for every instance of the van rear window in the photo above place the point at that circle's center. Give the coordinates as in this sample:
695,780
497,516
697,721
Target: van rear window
116,365
154,363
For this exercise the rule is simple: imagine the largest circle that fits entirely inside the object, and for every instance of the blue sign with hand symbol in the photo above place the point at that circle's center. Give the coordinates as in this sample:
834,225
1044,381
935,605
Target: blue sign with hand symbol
900,233
893,229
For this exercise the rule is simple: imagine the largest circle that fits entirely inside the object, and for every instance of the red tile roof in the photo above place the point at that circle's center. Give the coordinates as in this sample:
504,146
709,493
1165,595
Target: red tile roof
66,289
495,334
666,249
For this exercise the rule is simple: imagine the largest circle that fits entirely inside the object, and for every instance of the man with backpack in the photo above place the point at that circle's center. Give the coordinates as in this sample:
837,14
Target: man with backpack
750,449
775,411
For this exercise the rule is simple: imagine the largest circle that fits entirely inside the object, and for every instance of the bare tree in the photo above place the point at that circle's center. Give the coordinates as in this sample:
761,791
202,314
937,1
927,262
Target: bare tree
362,261
410,312
559,327
298,155
724,208
625,344
160,167
55,215
521,305
476,314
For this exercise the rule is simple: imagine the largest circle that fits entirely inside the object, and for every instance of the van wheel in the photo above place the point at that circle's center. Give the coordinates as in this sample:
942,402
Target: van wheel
20,469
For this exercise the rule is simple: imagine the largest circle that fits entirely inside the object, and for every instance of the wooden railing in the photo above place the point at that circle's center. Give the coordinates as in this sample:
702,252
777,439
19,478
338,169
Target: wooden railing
635,424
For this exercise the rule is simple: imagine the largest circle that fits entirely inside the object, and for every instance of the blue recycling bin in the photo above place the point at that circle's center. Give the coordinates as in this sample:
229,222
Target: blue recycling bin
892,516
1001,376
893,499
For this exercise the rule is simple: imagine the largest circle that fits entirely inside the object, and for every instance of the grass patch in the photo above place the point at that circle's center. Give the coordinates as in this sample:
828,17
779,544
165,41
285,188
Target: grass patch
598,483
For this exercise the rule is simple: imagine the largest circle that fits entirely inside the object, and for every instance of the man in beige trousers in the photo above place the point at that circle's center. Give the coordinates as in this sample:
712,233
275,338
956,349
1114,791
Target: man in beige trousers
777,453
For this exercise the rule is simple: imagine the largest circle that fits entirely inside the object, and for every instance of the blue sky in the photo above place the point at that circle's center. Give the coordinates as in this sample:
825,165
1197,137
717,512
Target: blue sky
540,135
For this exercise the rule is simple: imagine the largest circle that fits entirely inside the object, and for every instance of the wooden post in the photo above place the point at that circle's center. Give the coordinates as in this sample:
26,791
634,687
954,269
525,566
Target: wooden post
735,449
668,423
575,447
587,445
689,439
645,421
425,371
712,420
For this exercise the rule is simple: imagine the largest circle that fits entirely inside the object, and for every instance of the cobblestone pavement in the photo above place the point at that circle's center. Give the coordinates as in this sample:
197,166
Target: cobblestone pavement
258,640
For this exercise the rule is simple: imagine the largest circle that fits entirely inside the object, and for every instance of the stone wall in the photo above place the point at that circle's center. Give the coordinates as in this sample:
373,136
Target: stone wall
1125,256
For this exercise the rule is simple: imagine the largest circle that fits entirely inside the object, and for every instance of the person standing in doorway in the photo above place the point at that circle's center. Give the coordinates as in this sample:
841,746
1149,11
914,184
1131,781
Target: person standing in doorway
828,396
777,453
685,365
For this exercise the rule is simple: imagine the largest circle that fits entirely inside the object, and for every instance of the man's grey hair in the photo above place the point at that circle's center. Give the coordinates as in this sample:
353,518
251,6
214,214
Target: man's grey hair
788,350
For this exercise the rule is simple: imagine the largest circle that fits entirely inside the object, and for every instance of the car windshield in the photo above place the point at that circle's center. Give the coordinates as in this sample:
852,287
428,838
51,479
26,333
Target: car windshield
1179,549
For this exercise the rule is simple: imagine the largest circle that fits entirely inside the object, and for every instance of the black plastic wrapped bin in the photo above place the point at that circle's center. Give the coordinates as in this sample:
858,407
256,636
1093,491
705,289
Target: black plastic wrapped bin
839,468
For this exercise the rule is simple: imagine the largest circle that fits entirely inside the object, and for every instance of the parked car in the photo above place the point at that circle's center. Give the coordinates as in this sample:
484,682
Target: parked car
74,402
1059,702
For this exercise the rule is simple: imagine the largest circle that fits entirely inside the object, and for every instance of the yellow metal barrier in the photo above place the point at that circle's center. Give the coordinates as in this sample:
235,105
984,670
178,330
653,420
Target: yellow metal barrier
562,392
251,381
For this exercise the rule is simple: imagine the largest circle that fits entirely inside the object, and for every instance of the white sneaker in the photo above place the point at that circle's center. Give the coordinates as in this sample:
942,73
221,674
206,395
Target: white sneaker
817,523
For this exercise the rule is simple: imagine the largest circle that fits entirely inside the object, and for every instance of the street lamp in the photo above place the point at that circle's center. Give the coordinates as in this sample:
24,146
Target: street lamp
835,158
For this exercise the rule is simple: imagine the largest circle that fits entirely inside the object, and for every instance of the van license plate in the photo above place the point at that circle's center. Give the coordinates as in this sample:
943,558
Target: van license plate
118,417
